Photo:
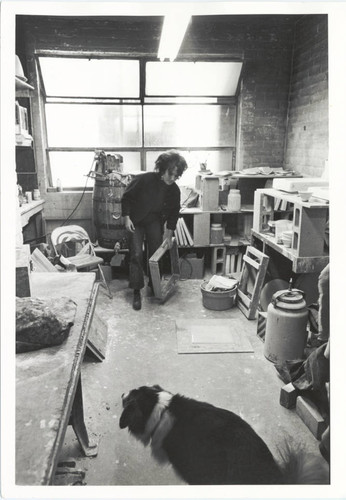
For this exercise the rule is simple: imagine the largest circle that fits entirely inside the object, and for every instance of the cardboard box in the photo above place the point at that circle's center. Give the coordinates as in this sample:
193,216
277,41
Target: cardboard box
191,266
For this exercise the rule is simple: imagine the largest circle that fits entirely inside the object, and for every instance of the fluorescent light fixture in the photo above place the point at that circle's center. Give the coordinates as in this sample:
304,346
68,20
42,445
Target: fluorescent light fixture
173,32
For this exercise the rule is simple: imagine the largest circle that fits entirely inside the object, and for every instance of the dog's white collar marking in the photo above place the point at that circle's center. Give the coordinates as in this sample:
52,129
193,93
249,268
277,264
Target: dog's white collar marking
158,425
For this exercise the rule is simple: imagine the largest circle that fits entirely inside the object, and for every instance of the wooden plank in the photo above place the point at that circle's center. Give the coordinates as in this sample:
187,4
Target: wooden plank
288,396
155,278
210,193
23,274
310,415
252,262
41,264
163,290
244,298
187,232
201,229
97,338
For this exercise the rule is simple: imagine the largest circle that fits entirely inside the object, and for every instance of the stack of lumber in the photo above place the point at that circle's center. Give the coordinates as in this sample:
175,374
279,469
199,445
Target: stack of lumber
182,234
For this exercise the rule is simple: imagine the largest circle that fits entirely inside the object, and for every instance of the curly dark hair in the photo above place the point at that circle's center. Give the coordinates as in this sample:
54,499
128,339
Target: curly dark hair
169,160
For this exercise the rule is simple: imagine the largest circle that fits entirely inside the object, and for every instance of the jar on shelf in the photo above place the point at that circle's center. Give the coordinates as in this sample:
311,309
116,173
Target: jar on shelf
36,194
216,234
234,200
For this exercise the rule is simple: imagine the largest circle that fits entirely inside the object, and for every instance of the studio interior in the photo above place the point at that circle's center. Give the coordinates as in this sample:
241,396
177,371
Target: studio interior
172,232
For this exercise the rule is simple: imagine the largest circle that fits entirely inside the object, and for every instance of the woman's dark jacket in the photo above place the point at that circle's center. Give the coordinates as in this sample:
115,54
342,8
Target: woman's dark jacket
147,193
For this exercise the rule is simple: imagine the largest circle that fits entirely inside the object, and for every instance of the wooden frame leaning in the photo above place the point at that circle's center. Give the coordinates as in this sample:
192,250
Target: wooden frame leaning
162,290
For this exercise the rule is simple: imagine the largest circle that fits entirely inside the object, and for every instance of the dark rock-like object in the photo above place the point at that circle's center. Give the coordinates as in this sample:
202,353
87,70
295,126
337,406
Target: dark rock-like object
42,322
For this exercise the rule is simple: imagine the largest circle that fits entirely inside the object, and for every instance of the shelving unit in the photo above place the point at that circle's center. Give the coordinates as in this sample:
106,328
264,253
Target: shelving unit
199,223
308,254
31,214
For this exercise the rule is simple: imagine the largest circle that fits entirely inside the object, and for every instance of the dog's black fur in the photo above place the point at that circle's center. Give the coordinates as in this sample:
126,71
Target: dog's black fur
205,444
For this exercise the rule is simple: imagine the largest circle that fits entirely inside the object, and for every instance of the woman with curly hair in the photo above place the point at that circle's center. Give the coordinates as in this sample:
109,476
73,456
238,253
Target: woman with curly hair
150,202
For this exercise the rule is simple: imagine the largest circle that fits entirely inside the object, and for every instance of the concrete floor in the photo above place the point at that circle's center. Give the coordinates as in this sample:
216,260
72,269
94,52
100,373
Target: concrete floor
142,350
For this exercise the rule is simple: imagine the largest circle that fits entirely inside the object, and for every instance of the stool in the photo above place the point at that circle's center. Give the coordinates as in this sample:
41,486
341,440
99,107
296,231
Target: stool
218,260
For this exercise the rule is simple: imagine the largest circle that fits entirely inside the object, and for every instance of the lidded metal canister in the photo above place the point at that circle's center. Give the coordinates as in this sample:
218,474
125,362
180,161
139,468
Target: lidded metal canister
286,328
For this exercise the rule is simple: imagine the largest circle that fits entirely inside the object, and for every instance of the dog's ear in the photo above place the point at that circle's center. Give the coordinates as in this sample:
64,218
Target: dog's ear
131,417
157,387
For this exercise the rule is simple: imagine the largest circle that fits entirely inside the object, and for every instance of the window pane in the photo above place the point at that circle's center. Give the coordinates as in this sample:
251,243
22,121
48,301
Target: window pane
189,126
216,162
72,167
65,76
196,79
93,126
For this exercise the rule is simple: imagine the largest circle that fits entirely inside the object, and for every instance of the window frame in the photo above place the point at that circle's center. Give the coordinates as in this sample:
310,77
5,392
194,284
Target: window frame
142,101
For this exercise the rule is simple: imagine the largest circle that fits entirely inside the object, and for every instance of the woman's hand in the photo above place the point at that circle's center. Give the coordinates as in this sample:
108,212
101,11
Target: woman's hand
129,224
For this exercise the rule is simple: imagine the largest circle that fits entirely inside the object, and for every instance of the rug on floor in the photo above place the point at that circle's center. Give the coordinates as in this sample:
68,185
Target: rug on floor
211,335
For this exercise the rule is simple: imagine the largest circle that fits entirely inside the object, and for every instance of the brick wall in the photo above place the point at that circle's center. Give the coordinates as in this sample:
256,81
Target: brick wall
264,43
307,129
269,134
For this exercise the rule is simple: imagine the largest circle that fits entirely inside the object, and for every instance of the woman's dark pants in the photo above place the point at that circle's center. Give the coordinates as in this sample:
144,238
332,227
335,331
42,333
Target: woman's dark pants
152,230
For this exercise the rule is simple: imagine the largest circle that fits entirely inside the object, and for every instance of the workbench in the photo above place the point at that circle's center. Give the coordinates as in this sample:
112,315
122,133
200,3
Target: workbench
49,386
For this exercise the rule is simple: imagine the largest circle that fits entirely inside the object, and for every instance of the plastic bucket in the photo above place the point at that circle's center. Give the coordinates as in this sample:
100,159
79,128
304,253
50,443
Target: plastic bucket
218,300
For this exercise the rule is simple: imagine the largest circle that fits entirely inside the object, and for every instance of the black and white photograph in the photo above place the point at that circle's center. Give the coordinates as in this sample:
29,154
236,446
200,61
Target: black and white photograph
172,249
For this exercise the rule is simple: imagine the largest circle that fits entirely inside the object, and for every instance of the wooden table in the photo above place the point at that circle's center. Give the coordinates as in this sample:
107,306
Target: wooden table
48,384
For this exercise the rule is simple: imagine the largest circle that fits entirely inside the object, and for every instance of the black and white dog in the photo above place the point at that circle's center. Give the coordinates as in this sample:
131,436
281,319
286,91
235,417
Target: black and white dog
210,445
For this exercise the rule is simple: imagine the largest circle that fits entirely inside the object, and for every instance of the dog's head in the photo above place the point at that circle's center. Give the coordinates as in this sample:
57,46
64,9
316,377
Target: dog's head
138,405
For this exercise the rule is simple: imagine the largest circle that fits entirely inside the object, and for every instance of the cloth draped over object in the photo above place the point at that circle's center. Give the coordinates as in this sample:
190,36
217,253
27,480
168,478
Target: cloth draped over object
309,377
43,323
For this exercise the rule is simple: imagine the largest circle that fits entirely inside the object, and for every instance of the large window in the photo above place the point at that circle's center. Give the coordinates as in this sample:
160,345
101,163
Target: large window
102,104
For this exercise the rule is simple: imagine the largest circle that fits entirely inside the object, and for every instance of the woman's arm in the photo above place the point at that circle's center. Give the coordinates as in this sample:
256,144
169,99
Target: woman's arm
173,209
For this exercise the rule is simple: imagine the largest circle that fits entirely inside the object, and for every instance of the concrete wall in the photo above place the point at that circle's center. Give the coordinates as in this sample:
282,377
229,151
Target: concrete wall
307,129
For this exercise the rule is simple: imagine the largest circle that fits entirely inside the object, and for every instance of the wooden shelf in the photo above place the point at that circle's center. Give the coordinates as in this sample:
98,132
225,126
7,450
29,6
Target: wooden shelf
294,198
194,211
27,210
313,264
263,176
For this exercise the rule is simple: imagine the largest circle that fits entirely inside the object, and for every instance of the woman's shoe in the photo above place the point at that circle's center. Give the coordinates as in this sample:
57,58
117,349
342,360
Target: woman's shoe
137,302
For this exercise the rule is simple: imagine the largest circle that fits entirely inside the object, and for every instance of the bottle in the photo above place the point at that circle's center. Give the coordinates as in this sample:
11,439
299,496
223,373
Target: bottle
36,195
234,200
58,185
20,195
